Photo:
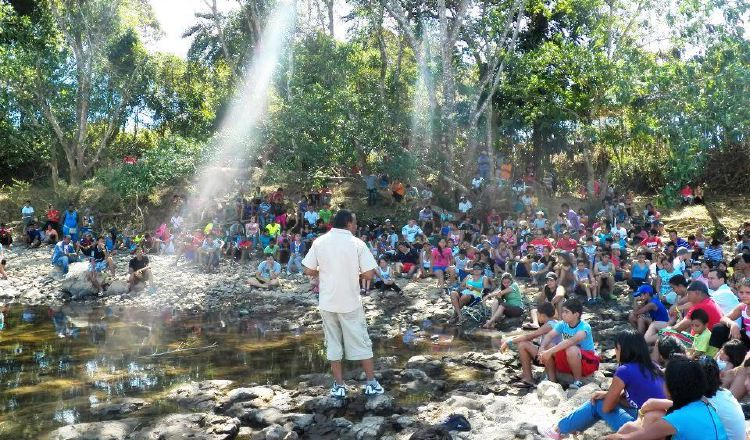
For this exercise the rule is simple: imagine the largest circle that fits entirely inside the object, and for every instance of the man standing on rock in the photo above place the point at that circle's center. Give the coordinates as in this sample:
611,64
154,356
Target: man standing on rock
339,259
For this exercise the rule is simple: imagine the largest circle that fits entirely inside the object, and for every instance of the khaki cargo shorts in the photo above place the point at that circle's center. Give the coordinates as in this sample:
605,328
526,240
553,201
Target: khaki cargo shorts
346,335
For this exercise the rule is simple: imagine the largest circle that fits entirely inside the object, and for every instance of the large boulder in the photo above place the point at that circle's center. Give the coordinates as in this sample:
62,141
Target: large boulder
190,426
199,396
112,430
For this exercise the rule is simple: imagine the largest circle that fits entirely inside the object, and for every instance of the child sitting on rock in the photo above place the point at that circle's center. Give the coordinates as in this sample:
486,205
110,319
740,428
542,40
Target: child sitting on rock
649,315
528,344
701,335
575,354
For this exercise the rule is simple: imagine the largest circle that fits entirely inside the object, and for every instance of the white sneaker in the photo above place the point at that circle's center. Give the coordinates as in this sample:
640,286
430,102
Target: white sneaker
373,388
338,391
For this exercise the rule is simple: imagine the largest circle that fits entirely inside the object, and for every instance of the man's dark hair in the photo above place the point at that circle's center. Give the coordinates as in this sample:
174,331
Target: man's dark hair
720,274
735,350
686,382
574,305
431,433
678,280
342,219
546,309
700,315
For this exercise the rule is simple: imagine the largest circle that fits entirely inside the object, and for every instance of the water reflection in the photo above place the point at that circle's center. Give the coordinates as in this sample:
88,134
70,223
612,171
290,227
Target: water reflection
55,363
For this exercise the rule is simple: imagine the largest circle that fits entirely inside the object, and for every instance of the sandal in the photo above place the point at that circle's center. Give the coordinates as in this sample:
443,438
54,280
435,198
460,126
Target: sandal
523,385
530,326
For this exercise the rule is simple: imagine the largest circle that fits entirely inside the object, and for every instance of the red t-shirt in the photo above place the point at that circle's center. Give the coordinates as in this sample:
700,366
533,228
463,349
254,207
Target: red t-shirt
53,215
712,310
568,245
540,243
651,242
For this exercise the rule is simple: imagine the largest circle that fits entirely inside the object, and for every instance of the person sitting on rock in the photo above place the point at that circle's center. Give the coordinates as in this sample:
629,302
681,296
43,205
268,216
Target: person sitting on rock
99,260
50,235
407,259
86,244
576,354
33,235
636,379
553,293
139,270
268,273
528,344
472,289
64,253
384,279
210,252
505,301
3,263
6,235
649,314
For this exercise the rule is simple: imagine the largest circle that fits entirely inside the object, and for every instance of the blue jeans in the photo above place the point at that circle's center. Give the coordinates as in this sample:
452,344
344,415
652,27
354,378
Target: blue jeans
64,261
294,261
587,415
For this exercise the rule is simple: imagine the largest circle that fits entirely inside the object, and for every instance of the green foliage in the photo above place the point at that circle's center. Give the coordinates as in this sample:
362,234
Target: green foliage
171,160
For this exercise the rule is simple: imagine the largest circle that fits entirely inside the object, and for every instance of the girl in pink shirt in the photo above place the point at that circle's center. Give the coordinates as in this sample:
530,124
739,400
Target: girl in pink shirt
442,259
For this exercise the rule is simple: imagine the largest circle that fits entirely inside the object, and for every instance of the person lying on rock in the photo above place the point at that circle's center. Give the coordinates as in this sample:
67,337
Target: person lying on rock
139,270
636,380
576,354
528,344
268,273
64,253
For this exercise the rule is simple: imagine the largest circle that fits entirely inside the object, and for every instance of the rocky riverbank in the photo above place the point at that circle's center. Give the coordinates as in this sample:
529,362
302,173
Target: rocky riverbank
421,391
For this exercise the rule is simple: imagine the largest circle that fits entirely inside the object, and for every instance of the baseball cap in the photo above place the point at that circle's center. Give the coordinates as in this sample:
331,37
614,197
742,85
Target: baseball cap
551,276
646,288
682,250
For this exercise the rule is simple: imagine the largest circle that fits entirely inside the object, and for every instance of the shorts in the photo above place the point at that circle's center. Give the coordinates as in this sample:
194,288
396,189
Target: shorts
98,266
684,337
475,299
408,267
440,268
589,362
346,335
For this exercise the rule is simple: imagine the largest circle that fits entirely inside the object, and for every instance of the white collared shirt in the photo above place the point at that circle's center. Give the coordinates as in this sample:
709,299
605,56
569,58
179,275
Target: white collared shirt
339,257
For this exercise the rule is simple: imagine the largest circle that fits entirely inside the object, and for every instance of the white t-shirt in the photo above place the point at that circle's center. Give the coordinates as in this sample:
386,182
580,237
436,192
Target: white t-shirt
27,211
730,413
477,182
465,206
724,298
339,257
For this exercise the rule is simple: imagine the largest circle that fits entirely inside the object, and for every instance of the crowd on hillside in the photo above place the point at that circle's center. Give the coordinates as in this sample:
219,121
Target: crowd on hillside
691,326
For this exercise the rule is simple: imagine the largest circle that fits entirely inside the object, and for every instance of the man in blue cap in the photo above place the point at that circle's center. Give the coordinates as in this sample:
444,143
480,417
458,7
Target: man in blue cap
649,315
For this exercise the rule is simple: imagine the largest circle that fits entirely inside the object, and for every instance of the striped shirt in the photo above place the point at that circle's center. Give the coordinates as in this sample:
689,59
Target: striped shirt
714,254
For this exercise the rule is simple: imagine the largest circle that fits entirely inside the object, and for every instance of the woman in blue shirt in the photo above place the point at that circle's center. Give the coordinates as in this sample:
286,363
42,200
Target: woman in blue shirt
688,416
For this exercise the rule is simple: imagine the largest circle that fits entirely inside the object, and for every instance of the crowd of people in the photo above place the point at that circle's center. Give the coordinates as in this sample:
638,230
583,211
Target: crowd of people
689,294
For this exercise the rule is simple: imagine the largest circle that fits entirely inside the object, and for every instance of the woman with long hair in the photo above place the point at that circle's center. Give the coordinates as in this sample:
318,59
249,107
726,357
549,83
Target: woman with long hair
636,380
686,416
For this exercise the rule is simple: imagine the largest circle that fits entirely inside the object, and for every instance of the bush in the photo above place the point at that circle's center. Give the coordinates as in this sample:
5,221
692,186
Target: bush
173,159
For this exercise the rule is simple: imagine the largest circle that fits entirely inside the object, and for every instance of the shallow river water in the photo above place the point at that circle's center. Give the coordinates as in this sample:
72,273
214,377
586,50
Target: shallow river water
55,363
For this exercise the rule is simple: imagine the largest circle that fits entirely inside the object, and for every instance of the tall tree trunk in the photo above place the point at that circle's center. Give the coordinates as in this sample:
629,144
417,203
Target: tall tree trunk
490,147
54,174
329,6
449,82
383,56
